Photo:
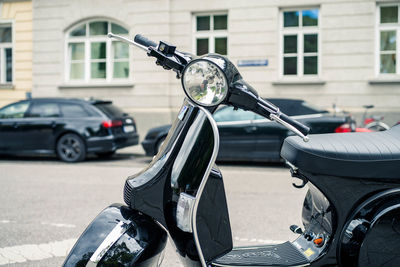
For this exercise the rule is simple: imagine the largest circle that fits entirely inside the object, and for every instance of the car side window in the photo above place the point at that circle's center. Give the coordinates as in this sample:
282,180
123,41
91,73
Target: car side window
70,110
44,110
14,111
229,114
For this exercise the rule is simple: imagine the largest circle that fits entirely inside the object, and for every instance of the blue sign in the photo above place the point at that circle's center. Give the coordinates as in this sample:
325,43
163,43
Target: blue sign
252,62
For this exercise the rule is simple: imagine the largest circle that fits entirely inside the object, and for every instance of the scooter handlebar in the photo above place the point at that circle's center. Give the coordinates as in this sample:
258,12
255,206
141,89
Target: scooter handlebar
298,125
140,39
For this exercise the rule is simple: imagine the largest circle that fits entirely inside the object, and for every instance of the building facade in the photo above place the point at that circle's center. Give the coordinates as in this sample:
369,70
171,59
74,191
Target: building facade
324,51
15,50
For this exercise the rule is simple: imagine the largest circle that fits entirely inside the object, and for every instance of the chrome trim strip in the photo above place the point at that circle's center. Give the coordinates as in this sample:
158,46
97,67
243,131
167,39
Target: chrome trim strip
203,182
221,265
107,243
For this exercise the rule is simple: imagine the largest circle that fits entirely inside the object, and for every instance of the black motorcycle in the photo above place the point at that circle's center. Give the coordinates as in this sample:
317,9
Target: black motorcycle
351,213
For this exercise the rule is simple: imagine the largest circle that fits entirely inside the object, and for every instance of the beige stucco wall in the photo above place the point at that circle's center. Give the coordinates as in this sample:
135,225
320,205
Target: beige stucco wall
19,13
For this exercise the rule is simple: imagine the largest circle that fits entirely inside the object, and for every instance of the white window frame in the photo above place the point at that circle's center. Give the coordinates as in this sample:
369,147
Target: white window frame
3,46
87,40
210,34
299,31
386,27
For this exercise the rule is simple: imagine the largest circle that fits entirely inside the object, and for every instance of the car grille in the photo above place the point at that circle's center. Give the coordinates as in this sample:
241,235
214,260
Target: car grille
127,193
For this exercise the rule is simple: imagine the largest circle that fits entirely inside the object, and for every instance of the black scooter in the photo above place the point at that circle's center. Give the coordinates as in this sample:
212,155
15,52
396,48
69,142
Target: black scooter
351,212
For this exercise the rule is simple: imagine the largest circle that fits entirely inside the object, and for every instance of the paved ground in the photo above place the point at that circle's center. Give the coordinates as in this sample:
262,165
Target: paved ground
46,204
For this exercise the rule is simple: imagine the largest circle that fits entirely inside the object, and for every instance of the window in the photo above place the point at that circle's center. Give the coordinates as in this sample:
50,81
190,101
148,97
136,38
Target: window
92,56
44,110
73,111
300,42
6,54
229,114
211,33
14,111
388,32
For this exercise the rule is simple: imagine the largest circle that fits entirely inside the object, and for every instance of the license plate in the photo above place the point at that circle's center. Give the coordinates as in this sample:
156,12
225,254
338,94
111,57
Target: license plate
129,128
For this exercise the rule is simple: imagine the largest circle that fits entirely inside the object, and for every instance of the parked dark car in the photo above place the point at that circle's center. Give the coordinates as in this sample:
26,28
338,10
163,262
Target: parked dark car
70,128
246,136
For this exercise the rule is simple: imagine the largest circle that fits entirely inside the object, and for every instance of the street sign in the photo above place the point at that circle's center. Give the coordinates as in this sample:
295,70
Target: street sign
252,62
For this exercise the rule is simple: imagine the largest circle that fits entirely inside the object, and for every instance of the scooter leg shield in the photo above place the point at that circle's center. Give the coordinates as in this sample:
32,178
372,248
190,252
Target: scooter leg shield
119,235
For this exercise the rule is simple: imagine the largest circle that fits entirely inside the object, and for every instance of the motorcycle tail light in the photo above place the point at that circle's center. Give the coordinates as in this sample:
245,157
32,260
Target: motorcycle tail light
368,120
344,128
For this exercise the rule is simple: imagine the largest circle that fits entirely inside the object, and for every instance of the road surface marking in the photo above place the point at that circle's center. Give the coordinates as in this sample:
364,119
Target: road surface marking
59,225
255,240
35,252
5,221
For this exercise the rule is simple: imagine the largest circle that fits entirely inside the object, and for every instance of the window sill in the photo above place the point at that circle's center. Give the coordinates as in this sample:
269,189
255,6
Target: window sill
9,86
95,85
385,80
299,82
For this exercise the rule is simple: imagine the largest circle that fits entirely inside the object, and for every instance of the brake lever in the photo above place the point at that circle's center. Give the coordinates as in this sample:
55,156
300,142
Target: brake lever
126,40
289,126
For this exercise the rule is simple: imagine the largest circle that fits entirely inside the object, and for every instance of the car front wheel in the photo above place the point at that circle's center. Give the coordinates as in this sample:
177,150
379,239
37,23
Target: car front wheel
71,148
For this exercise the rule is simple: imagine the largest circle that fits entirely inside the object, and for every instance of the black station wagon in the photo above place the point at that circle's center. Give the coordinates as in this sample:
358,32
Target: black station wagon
70,128
246,136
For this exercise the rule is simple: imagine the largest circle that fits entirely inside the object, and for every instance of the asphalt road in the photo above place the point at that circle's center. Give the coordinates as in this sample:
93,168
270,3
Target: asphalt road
46,204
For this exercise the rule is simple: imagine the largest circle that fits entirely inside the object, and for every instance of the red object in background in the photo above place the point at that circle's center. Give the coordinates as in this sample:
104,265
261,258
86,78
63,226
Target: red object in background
368,120
109,124
346,128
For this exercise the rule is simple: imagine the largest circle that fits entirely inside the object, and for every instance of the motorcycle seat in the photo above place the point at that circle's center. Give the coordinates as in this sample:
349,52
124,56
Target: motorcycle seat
358,155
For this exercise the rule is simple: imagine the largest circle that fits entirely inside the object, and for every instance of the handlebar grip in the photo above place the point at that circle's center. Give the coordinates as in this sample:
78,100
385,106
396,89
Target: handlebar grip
140,39
298,125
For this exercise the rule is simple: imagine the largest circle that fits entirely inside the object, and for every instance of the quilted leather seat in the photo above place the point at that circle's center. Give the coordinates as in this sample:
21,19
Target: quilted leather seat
359,155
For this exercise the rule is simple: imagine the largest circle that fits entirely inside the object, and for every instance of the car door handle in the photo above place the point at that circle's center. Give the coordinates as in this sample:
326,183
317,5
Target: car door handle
53,124
15,125
250,129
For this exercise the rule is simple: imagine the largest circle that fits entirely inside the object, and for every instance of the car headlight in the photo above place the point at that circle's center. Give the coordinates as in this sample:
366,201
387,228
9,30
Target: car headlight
204,83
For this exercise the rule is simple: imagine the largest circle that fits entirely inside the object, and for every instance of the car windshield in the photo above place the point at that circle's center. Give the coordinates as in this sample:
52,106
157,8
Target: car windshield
110,110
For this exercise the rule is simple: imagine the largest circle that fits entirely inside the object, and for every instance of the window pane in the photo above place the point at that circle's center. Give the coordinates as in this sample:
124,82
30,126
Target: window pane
310,43
221,45
120,50
14,111
115,28
121,70
220,22
73,111
98,70
76,71
98,28
228,114
290,65
389,14
44,110
310,17
77,51
80,31
388,63
291,18
202,46
8,52
311,65
290,44
388,41
98,50
203,23
5,35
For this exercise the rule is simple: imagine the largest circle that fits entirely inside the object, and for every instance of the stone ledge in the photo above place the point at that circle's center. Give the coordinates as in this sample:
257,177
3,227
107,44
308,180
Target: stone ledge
96,85
299,82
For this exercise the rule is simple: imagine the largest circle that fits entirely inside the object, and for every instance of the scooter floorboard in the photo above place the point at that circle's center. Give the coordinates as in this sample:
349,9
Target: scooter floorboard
270,255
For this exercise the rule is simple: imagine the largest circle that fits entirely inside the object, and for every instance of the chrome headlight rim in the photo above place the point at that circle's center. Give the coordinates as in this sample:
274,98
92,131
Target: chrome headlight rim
219,68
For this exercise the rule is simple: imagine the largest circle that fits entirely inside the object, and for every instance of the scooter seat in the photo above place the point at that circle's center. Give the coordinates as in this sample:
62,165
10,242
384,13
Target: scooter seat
359,155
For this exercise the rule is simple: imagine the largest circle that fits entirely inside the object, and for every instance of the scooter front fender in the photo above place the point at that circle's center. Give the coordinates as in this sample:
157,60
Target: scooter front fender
119,236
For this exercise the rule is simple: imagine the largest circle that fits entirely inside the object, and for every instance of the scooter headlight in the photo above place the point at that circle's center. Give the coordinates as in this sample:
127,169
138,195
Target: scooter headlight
204,83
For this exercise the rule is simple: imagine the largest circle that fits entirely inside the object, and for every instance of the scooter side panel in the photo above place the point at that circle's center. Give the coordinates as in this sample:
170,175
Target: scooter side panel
141,241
